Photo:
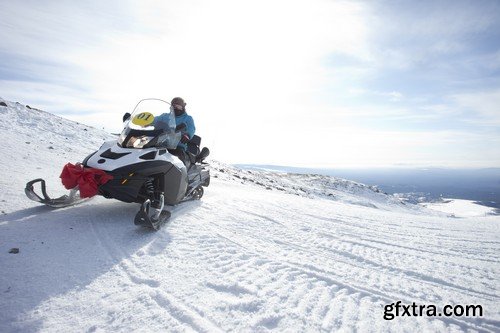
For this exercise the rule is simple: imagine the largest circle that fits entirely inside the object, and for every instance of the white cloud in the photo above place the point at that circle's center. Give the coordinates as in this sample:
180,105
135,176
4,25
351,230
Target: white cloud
427,34
255,74
484,105
352,146
249,54
55,30
392,96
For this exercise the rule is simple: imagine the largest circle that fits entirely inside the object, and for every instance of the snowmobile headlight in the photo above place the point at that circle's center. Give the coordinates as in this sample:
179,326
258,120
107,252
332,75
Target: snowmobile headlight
139,141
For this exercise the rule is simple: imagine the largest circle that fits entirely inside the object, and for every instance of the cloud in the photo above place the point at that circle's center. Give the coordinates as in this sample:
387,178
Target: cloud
41,49
247,53
352,146
264,74
433,38
392,96
484,106
58,30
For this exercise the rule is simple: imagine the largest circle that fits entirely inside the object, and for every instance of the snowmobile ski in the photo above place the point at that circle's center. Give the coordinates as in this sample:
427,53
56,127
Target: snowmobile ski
143,220
160,216
156,220
194,194
71,199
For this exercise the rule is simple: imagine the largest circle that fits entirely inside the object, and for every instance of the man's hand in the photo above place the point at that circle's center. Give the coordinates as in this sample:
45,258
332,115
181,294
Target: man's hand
185,138
181,127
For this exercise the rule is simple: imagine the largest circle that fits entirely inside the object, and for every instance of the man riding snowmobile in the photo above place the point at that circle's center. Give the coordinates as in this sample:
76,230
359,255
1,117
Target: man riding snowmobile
185,125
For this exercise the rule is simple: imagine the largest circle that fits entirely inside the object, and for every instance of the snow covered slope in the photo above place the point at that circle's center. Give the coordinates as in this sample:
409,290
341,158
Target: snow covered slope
461,208
252,255
37,143
316,186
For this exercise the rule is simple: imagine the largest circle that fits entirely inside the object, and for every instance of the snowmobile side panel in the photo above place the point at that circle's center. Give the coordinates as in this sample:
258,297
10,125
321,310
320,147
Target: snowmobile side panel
174,185
146,168
125,189
128,181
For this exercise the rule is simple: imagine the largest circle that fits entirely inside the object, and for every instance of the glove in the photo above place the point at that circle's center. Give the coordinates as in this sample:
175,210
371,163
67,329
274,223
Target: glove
180,127
185,138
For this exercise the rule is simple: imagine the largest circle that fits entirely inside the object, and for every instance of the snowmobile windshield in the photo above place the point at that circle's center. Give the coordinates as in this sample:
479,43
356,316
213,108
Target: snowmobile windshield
151,124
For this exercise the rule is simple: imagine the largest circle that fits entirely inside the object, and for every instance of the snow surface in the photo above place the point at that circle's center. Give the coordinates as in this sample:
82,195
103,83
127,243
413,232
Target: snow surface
261,251
461,208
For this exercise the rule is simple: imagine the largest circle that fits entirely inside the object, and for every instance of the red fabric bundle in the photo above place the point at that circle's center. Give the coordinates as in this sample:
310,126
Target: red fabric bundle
87,179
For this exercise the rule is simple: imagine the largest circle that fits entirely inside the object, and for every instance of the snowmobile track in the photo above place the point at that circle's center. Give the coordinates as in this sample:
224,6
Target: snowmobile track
172,306
264,243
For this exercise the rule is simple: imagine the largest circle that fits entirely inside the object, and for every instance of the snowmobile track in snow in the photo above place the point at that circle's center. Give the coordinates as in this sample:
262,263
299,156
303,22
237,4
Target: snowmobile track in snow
172,307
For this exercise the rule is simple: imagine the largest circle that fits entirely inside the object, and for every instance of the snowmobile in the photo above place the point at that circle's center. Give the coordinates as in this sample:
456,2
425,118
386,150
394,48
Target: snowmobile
141,167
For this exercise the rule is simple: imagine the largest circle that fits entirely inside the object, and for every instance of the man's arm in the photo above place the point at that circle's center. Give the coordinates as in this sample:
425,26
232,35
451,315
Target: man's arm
190,128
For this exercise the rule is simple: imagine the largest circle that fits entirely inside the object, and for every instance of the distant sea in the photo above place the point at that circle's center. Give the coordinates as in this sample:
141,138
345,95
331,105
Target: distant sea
418,184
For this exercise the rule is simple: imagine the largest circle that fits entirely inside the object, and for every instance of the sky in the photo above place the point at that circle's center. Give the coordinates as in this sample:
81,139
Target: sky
301,83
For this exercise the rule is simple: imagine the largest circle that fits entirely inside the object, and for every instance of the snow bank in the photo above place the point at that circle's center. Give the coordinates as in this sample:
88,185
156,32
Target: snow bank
314,186
461,208
38,144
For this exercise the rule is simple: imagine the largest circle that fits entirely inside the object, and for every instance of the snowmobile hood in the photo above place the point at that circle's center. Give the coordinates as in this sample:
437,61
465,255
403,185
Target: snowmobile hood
111,157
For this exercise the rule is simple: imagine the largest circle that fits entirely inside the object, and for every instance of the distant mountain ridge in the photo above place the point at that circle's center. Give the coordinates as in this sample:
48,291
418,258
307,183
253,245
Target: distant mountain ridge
428,184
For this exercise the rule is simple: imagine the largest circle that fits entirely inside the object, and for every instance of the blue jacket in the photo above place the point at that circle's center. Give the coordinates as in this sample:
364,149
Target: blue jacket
189,130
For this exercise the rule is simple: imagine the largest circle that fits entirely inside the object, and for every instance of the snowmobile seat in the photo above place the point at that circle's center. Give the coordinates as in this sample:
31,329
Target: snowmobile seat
193,150
191,157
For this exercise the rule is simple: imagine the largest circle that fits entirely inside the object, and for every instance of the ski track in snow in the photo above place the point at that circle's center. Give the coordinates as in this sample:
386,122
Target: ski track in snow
259,252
